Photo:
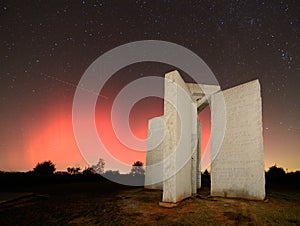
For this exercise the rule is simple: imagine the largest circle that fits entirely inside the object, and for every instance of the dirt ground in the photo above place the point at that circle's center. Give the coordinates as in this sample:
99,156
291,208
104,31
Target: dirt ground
101,204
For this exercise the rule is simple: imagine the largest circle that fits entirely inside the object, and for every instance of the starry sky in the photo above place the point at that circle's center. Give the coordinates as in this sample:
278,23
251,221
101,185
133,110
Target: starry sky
45,47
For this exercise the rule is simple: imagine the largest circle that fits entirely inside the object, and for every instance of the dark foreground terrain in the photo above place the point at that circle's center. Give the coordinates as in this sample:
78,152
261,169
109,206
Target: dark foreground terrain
105,203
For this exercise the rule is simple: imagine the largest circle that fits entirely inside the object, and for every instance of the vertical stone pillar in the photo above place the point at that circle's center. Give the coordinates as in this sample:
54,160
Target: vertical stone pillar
195,151
177,143
154,157
199,143
237,168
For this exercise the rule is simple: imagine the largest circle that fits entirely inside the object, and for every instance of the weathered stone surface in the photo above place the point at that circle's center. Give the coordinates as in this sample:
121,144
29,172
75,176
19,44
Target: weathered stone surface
195,149
238,168
154,157
177,143
201,93
198,167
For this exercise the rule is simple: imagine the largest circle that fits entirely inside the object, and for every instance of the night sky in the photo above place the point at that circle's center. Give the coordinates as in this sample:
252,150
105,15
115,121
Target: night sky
45,47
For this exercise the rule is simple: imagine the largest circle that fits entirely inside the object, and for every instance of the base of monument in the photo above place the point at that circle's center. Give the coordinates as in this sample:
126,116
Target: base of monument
168,204
237,195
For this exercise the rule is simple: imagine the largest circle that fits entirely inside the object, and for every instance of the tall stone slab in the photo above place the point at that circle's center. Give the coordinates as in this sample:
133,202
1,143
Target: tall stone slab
178,110
154,157
196,150
198,166
238,167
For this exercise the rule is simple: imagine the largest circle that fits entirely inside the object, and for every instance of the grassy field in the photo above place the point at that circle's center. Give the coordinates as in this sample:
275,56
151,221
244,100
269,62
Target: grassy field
104,203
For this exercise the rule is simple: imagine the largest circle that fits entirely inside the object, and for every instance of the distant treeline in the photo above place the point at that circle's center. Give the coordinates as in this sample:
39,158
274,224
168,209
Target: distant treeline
45,174
277,177
15,180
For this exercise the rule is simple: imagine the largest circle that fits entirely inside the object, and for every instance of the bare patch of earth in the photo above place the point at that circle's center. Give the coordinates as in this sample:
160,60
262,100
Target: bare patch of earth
89,204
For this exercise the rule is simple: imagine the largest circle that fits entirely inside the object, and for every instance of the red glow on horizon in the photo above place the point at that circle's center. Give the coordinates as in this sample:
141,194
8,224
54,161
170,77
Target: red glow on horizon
141,112
205,119
139,116
55,141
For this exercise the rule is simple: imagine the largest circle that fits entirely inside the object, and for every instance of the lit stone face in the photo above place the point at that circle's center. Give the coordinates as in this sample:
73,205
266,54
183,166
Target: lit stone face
178,143
238,168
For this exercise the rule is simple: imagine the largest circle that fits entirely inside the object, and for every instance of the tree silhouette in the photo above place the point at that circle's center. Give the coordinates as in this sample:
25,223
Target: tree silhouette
276,171
73,170
206,173
44,168
137,169
88,171
99,167
275,174
205,178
